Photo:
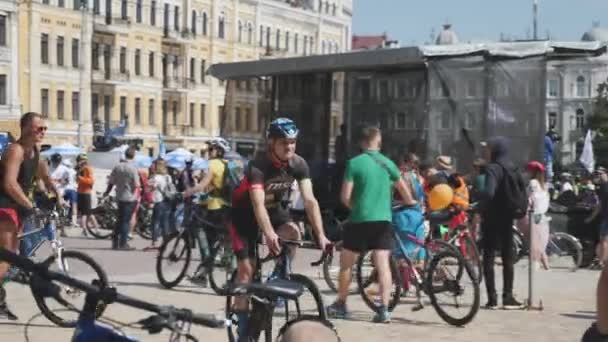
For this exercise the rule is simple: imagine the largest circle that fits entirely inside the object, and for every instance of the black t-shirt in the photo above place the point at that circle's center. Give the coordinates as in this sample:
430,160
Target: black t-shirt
275,178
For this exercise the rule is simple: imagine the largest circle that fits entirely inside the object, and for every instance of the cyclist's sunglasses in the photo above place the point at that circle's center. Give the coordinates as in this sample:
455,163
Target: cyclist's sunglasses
41,129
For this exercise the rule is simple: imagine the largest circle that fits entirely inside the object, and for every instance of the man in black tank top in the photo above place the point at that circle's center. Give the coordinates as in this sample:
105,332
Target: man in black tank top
20,168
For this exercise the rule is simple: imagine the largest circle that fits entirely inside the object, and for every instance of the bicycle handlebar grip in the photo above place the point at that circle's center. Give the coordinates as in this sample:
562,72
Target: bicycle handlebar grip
207,320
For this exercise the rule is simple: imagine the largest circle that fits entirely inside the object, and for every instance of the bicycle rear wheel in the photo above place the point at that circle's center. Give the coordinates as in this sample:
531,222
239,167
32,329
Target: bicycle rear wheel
449,279
144,223
367,283
567,249
174,251
105,224
65,311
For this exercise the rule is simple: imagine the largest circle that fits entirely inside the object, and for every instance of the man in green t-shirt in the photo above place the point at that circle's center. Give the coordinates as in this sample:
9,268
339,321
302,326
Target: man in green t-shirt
366,190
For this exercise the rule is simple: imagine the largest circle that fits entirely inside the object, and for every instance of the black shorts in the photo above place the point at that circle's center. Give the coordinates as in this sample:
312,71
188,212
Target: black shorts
367,236
245,232
84,204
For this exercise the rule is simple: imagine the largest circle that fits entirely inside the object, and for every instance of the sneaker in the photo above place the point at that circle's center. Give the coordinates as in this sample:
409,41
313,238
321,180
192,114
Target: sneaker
338,310
383,316
279,303
510,303
130,237
126,248
200,279
492,304
6,313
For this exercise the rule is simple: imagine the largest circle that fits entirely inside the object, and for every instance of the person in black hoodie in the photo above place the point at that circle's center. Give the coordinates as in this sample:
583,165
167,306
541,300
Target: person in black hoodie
496,223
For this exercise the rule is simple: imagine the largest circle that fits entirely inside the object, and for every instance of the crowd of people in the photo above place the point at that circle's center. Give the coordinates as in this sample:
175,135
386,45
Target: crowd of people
260,203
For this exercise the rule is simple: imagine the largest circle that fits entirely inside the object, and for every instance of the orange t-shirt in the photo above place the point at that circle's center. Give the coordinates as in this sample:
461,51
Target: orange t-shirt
85,180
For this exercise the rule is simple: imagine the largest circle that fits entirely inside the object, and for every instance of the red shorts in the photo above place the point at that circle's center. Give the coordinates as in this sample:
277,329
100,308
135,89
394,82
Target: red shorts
10,214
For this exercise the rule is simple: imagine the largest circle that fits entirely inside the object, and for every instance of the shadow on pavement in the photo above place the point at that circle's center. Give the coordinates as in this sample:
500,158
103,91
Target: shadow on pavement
579,315
181,288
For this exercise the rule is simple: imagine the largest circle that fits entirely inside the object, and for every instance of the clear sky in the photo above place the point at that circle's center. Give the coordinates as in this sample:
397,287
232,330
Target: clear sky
411,21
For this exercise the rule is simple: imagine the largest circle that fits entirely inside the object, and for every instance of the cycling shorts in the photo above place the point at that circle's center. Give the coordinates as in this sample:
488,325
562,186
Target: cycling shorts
244,231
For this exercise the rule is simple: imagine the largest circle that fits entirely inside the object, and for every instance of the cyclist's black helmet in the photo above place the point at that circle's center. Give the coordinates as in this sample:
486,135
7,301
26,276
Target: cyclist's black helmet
282,128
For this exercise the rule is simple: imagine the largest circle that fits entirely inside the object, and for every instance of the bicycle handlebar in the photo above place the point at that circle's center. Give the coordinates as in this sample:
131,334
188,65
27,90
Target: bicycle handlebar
329,251
109,295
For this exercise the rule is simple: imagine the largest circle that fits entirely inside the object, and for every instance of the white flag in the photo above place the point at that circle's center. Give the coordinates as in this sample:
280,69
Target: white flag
587,158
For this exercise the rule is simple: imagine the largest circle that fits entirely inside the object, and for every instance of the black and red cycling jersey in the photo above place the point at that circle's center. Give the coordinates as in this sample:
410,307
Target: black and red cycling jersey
275,177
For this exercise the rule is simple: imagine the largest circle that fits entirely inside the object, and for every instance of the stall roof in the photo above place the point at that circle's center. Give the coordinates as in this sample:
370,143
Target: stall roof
408,57
359,60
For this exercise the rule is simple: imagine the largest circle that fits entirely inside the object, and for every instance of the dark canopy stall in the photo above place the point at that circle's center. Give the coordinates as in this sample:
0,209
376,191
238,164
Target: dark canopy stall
431,100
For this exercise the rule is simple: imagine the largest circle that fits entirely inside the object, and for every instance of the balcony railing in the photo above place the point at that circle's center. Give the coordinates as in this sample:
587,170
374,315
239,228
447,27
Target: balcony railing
171,82
111,75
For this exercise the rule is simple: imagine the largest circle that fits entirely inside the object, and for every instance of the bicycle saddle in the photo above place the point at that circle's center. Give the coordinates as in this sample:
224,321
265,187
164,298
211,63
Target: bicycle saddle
272,289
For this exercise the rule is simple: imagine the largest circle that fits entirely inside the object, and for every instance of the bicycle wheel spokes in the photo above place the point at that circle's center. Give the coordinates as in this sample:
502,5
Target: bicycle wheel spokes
565,251
367,282
452,288
65,311
173,260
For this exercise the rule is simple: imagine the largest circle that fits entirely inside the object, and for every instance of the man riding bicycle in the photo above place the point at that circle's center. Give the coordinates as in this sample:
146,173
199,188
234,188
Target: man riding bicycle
261,204
213,183
20,169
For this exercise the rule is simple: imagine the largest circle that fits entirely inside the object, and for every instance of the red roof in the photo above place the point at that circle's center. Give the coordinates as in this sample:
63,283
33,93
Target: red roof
368,42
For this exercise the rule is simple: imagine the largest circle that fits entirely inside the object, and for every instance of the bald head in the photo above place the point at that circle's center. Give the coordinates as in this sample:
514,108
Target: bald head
307,330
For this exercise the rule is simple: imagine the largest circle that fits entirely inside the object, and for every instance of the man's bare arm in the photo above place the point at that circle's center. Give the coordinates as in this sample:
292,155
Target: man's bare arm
345,194
12,162
258,198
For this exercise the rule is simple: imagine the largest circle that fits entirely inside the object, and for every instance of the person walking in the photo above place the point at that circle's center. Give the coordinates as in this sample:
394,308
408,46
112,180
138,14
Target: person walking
125,178
498,215
162,189
539,199
70,194
60,175
86,181
366,190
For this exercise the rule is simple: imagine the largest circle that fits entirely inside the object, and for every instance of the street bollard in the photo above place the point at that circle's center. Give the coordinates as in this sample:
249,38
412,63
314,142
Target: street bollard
531,270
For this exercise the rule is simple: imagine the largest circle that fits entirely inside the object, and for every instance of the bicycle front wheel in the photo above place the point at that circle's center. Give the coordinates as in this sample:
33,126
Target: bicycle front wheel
222,264
566,250
369,288
65,310
452,288
173,260
311,301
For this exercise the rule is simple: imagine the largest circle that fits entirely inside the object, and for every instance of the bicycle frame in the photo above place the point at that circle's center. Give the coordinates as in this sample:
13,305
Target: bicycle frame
33,240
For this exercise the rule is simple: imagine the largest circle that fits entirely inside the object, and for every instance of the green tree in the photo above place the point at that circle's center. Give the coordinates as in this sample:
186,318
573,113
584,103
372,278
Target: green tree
598,122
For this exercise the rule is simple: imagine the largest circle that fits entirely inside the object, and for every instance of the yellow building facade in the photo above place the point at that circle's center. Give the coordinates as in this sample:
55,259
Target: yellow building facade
143,62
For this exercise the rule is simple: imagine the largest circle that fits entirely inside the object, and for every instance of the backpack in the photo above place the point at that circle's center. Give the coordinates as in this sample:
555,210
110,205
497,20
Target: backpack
234,172
169,191
515,193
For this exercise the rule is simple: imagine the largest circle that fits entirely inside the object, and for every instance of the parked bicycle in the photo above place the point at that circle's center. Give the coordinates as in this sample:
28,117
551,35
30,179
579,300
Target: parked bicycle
563,249
175,254
67,262
444,271
178,321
